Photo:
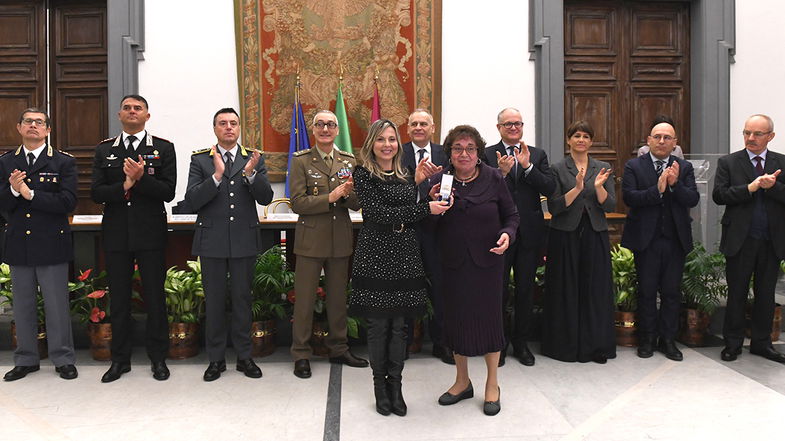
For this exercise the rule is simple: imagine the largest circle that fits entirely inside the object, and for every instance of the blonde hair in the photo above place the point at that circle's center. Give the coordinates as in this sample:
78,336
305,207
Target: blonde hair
368,157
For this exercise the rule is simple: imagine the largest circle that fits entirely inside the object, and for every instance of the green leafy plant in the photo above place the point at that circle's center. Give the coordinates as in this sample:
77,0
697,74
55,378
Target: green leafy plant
272,281
625,281
702,283
184,293
89,297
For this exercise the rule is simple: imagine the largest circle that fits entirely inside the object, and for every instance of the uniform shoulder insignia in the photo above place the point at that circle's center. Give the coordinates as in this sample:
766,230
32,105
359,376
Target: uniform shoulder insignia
341,152
9,151
198,152
162,139
301,152
108,140
64,153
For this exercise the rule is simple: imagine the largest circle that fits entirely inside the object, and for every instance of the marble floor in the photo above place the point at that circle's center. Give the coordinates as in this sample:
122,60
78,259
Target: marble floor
627,399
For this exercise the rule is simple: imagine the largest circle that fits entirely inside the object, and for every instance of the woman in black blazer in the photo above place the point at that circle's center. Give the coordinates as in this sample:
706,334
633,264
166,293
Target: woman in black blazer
578,310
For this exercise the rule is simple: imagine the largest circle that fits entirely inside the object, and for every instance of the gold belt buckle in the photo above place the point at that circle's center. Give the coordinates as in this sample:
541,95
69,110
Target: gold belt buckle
398,228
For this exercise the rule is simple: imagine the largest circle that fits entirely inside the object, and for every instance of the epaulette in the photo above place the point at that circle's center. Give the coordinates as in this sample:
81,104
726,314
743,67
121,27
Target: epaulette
162,139
351,155
198,152
9,151
108,139
65,153
301,152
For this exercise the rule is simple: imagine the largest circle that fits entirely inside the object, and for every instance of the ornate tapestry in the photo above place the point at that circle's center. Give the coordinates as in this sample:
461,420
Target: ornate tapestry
397,41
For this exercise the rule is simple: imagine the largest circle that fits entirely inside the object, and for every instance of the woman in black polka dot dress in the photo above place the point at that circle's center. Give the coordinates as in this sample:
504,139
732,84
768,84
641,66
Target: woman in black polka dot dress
388,280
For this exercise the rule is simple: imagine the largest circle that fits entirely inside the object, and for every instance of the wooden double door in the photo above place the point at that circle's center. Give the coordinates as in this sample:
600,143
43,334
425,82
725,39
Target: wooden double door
53,55
624,63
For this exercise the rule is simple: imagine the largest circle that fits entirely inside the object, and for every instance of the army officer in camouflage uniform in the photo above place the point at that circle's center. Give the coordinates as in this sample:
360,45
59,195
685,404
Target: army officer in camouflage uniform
322,192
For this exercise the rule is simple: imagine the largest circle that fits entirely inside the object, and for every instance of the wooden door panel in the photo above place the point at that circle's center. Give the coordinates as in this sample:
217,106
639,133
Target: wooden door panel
625,63
82,30
590,31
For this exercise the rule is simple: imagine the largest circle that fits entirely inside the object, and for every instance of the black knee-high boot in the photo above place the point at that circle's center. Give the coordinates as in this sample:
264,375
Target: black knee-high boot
395,358
377,355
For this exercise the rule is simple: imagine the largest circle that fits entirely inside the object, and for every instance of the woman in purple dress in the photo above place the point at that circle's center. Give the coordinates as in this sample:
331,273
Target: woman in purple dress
473,236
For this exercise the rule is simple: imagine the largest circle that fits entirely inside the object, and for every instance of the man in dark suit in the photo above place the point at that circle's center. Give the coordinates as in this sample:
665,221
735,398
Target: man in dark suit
224,184
527,174
133,175
420,128
322,192
659,188
750,185
37,191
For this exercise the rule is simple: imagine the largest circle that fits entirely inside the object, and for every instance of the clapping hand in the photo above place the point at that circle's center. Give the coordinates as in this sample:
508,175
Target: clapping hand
425,169
506,162
523,154
250,166
768,180
579,179
342,190
673,173
602,176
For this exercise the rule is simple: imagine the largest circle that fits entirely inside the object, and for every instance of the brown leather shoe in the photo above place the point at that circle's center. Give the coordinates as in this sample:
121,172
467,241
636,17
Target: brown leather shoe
349,359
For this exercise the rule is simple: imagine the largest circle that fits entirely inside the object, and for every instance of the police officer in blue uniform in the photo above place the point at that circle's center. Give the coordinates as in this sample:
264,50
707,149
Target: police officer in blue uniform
37,191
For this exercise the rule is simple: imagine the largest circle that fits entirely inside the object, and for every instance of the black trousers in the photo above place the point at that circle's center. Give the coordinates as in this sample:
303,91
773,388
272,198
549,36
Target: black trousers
523,261
433,271
387,347
214,277
120,268
757,259
659,269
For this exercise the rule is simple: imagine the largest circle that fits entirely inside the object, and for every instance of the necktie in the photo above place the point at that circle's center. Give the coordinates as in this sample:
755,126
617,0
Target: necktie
420,155
130,142
227,163
30,160
511,151
660,166
329,161
759,165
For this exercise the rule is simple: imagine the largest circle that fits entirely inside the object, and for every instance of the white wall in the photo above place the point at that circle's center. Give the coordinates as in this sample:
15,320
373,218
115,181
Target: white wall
485,65
188,73
758,77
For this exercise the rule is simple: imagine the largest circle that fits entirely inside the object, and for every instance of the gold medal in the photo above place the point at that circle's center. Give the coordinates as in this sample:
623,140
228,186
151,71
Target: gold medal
316,191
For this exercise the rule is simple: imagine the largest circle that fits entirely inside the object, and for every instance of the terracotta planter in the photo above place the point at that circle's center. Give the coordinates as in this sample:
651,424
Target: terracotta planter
693,326
319,333
183,340
43,351
100,335
417,335
263,338
626,329
776,324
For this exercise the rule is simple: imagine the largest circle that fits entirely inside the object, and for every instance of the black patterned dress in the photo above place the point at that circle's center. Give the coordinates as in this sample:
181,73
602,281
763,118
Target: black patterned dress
388,279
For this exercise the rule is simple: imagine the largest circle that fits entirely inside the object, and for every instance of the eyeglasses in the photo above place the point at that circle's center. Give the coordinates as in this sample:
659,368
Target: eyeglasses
419,123
747,134
461,150
509,125
321,124
665,138
37,122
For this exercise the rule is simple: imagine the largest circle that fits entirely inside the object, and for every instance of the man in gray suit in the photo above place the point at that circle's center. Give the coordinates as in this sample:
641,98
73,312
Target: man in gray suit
224,182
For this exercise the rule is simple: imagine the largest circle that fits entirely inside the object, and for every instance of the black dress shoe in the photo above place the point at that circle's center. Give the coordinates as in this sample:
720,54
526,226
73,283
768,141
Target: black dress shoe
770,353
730,354
646,348
214,370
349,359
116,370
67,371
20,372
302,368
491,408
160,371
249,368
524,355
448,399
668,347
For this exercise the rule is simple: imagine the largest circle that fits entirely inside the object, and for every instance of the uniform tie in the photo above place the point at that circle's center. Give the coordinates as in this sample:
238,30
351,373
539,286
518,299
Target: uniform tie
130,141
227,163
30,160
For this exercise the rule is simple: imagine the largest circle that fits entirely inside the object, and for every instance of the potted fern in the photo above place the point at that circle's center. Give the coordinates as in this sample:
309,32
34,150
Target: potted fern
625,287
271,282
184,307
702,289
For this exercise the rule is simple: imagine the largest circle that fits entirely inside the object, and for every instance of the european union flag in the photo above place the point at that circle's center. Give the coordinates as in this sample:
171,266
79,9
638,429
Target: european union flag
298,137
